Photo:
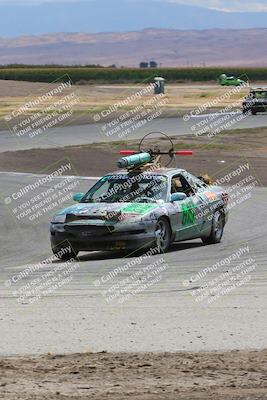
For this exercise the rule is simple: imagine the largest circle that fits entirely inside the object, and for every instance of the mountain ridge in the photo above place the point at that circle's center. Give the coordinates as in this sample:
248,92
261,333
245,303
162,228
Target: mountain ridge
215,47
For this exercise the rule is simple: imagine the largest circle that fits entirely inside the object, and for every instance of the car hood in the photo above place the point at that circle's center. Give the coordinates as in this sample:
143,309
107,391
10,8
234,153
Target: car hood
103,210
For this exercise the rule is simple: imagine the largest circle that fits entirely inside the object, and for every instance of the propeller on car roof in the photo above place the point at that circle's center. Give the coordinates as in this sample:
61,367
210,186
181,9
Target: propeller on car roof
151,148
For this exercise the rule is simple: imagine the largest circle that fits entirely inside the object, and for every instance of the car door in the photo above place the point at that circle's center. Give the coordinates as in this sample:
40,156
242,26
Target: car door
208,202
187,217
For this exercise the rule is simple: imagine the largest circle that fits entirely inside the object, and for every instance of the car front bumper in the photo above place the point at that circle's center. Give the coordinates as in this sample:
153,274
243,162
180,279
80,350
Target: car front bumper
103,237
254,107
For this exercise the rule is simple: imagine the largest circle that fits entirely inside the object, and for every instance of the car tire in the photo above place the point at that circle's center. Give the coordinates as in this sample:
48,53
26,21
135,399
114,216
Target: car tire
163,235
217,229
64,256
254,112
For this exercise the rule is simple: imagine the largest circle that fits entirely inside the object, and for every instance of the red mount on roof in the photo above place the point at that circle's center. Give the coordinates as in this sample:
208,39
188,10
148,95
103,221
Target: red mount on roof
178,153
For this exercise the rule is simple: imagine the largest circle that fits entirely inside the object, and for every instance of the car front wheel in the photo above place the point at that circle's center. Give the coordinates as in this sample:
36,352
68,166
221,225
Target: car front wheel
163,235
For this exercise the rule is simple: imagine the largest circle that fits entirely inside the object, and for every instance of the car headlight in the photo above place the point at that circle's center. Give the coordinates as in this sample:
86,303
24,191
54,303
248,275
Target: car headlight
130,217
57,219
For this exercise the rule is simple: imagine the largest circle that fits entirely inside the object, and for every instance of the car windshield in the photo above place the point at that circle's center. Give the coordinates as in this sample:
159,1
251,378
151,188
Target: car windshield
260,95
139,188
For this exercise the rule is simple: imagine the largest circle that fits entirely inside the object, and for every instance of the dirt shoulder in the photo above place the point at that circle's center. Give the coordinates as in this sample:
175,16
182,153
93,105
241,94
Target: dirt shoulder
217,157
231,375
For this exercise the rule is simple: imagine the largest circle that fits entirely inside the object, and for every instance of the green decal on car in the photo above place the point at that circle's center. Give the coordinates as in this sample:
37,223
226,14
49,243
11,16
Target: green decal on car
139,208
189,214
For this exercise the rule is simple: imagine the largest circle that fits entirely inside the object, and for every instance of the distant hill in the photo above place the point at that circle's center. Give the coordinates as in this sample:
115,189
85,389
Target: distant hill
216,47
117,16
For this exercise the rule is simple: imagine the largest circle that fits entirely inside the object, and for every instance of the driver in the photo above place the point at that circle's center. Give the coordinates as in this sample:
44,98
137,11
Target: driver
177,185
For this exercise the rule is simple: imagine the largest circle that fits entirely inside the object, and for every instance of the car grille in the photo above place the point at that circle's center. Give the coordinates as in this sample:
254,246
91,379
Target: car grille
89,230
73,217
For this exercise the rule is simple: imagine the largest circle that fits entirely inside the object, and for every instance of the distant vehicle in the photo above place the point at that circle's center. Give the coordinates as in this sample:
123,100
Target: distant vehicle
225,80
256,101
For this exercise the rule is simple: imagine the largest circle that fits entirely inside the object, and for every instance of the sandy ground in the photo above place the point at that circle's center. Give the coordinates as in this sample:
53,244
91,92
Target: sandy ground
234,375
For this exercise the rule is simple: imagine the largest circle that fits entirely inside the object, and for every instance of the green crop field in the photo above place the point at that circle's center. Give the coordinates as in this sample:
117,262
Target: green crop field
124,75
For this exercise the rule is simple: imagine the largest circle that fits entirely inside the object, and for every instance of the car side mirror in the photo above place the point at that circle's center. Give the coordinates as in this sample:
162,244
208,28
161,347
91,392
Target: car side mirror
178,197
78,197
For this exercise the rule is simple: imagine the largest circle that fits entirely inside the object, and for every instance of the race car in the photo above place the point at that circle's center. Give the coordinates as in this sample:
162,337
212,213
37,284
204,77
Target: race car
225,80
141,205
256,101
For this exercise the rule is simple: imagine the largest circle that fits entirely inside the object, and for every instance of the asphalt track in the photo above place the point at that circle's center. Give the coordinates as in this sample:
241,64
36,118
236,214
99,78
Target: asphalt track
164,317
95,133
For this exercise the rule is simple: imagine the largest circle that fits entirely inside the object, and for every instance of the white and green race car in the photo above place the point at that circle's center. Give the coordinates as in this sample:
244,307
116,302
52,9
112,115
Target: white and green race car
138,207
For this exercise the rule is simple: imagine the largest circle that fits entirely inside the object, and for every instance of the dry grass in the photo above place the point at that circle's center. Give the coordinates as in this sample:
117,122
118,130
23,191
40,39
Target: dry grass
94,98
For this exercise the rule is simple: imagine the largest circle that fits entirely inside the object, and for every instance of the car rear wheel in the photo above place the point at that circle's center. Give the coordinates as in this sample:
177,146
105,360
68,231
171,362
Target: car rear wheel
65,253
216,229
163,235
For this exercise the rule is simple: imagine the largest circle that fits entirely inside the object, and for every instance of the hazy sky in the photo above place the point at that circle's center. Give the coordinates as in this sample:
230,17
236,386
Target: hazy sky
224,5
227,5
35,17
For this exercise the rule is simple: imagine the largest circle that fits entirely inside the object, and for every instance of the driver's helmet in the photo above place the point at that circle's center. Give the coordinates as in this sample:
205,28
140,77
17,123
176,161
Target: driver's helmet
177,185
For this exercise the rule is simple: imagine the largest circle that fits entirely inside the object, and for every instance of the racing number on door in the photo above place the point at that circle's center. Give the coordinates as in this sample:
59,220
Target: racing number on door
189,215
